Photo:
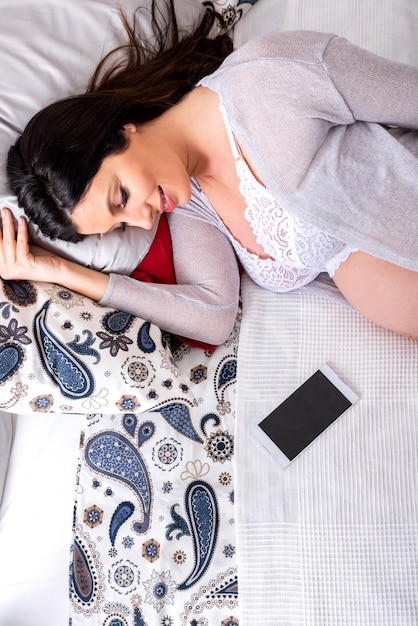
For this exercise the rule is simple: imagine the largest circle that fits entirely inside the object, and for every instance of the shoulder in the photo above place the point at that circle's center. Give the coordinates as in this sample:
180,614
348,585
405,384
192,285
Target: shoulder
301,45
289,56
287,68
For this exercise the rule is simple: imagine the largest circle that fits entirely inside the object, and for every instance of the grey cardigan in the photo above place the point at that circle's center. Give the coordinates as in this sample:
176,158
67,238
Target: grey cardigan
310,111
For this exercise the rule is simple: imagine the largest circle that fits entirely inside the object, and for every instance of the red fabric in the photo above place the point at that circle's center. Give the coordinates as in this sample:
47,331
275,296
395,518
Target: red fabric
158,267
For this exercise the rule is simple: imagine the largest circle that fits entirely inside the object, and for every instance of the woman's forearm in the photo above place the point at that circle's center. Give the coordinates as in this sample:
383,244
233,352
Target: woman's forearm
83,280
202,305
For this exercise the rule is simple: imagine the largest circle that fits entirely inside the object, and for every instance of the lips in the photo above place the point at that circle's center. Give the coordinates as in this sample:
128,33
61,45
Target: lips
167,202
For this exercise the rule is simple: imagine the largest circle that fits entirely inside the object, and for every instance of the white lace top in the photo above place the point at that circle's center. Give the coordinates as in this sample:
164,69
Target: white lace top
298,251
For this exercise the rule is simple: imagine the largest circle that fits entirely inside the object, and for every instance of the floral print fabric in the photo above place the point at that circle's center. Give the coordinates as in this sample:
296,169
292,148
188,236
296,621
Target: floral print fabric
60,352
154,534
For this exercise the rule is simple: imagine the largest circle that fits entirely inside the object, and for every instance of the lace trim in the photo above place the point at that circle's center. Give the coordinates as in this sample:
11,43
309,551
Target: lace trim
334,263
299,251
272,275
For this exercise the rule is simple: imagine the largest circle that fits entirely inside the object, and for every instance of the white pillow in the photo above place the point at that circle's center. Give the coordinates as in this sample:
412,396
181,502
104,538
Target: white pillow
48,50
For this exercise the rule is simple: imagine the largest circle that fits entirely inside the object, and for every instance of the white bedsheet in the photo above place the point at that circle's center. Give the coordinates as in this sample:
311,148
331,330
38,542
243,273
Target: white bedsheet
36,520
333,539
387,27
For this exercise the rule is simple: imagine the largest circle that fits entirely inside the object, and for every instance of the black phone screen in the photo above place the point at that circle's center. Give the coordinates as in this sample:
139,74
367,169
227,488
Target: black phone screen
305,414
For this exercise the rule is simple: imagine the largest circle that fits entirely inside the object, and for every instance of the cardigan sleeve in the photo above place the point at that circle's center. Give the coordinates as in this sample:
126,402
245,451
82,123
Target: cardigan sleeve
203,304
374,88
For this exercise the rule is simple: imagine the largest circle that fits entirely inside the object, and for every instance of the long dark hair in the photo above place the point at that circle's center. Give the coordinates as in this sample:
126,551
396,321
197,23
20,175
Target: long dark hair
62,147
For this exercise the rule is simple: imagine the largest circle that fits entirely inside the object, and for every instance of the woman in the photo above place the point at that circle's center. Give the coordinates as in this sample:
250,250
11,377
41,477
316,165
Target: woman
287,153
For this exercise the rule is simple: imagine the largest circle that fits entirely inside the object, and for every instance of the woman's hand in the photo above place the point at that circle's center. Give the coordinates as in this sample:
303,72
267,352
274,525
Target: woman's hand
18,260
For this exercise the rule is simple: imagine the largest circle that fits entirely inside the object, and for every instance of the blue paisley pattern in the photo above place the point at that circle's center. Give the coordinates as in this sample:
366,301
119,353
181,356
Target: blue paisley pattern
11,358
18,294
145,341
153,537
145,432
112,455
156,500
202,511
123,512
117,322
232,11
68,372
227,373
82,576
62,353
129,422
177,414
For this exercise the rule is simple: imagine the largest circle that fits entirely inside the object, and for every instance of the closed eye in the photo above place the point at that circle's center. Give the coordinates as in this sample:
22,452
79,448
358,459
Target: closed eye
124,196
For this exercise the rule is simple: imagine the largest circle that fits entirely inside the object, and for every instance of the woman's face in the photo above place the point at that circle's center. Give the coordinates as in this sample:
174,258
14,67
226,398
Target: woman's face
133,187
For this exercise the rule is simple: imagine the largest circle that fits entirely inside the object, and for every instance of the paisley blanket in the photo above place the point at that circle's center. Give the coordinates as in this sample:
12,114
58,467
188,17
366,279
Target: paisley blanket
153,527
154,536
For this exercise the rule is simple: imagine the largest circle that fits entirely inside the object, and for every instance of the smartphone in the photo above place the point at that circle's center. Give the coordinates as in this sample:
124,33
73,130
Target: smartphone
304,415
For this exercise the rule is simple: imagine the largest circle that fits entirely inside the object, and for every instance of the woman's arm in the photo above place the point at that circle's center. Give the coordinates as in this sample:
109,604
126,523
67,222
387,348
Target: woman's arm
374,88
202,306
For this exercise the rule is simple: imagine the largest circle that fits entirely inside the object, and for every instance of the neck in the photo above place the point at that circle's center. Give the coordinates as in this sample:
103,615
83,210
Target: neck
197,126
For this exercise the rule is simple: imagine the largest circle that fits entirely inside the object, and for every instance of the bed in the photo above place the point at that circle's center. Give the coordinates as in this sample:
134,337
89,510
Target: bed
132,489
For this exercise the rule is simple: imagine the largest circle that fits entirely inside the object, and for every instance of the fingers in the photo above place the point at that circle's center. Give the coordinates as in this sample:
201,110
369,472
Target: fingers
22,243
14,243
17,262
8,236
15,256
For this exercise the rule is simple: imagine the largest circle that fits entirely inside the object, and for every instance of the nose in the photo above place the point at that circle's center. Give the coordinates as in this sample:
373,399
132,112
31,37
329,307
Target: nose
141,215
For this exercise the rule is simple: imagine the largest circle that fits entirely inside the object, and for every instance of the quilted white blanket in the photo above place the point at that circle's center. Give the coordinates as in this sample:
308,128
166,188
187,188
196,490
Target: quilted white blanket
333,539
